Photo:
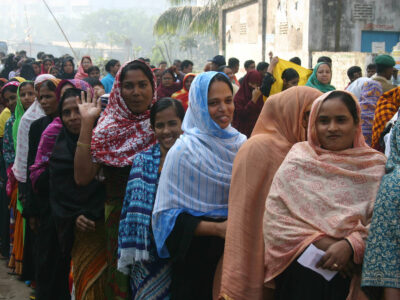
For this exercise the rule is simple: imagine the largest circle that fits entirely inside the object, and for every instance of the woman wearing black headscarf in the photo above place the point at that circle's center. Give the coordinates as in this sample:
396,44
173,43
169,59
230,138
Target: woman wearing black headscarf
67,69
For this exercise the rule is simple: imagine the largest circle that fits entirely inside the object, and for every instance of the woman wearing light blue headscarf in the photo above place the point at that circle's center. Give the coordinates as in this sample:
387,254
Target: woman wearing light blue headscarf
192,197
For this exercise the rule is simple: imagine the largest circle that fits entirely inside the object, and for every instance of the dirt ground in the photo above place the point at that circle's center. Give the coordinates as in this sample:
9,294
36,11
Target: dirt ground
10,286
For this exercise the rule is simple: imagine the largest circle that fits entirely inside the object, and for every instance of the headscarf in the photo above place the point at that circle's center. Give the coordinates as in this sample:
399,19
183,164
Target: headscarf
314,82
386,107
10,83
247,112
370,93
62,74
356,86
278,128
81,74
120,133
317,193
33,113
68,200
197,170
183,94
50,134
382,256
42,71
167,91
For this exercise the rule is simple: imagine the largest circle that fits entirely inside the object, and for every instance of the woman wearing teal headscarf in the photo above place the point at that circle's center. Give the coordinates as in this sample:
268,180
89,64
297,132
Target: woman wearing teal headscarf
321,78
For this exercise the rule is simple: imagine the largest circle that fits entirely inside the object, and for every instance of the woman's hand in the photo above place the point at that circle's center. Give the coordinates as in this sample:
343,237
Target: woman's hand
256,94
89,108
84,224
336,257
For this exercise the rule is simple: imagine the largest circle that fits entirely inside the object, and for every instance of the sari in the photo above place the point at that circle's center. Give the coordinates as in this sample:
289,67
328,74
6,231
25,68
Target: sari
278,127
386,107
320,193
117,138
314,82
382,255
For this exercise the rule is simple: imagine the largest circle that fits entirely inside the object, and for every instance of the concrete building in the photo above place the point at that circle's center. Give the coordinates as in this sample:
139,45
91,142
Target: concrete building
288,28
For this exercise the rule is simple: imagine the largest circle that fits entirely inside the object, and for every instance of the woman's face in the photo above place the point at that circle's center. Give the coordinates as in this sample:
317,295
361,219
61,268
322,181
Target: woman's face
167,128
335,126
220,104
229,73
167,80
324,74
11,99
54,72
48,101
188,82
36,69
68,67
86,64
47,64
136,90
27,95
94,74
70,115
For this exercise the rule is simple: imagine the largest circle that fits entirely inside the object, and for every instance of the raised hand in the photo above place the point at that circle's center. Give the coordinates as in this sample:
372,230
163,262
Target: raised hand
89,108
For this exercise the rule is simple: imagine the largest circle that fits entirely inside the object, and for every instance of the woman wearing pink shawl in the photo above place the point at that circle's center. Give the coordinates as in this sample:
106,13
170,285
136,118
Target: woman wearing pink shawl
86,63
322,194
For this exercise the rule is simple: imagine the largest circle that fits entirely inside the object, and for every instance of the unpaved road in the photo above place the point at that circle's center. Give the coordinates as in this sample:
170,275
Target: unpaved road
10,286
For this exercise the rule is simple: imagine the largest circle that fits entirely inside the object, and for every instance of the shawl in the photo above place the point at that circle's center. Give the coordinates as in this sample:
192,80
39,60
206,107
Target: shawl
246,111
120,133
49,135
64,75
386,107
370,93
33,113
81,74
317,193
134,237
313,81
19,112
382,256
279,126
164,91
197,170
183,94
356,86
68,200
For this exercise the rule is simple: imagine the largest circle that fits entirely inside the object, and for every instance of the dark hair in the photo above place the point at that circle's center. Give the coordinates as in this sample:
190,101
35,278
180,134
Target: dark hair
324,59
110,64
223,78
352,70
248,63
233,62
163,63
26,83
177,61
295,60
262,66
371,66
169,71
290,74
163,104
27,72
48,59
10,88
49,84
40,55
382,68
348,101
93,81
222,68
138,65
186,63
93,68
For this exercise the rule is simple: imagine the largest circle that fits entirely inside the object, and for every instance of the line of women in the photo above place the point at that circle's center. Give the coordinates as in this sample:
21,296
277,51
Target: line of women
145,201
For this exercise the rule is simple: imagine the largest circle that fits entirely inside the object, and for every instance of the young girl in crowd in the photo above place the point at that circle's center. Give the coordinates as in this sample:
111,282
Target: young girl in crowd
137,252
282,123
123,131
189,216
322,194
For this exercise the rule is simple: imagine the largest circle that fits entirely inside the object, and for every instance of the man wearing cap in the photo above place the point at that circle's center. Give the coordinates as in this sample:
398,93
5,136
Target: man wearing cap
384,71
217,62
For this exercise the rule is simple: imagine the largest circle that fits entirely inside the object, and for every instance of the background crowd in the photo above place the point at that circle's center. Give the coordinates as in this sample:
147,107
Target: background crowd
145,181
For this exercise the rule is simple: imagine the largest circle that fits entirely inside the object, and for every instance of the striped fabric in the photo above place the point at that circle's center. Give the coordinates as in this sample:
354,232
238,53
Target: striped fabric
387,106
197,170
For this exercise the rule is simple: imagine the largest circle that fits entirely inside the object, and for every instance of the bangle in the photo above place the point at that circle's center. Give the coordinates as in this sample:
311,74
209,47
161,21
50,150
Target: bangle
83,145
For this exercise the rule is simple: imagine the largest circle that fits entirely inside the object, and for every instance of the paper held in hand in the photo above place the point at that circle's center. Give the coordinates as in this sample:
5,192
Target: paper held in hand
309,259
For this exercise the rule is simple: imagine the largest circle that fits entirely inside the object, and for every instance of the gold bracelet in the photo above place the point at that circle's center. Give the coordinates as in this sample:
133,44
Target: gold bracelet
83,145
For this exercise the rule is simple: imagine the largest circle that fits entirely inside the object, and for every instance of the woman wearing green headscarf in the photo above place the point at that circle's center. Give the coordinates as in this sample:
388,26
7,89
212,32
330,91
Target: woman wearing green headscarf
321,78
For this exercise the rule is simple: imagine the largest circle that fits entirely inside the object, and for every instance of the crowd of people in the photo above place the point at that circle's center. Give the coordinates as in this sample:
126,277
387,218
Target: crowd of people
159,182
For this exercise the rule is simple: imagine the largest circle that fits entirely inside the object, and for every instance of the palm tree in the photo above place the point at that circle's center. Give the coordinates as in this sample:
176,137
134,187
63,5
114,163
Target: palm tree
194,19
